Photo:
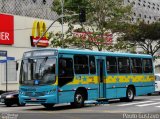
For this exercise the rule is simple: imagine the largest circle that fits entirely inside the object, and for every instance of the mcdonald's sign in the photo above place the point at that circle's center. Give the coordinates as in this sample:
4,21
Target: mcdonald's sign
39,27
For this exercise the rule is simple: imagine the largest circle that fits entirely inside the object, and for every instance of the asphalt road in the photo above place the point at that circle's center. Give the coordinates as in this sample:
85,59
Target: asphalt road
113,110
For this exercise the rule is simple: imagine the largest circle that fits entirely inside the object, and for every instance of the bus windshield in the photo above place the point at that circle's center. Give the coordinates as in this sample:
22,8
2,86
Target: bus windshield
38,71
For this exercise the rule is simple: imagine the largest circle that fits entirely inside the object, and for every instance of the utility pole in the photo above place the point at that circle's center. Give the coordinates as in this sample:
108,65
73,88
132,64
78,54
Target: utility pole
62,8
3,57
6,54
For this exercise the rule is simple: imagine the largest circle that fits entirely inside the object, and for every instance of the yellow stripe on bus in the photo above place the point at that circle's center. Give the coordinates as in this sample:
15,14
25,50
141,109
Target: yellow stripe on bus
109,79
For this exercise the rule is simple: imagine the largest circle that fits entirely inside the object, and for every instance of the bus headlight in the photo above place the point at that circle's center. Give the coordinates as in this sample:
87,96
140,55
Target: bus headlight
21,92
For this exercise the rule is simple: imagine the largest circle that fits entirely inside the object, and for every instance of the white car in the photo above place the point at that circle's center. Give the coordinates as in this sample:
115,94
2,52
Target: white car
157,83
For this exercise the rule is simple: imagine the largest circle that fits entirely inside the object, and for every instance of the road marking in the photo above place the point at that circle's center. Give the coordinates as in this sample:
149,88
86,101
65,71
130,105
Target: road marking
157,106
148,104
134,103
155,99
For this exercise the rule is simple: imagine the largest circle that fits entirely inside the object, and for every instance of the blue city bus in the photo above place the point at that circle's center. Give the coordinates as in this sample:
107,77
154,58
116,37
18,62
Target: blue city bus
52,76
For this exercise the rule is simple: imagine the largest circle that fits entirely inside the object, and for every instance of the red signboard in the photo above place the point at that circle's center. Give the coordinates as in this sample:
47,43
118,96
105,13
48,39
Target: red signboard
89,35
6,29
42,43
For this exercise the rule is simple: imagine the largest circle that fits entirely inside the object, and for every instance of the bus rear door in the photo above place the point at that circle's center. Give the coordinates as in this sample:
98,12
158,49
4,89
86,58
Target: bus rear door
101,75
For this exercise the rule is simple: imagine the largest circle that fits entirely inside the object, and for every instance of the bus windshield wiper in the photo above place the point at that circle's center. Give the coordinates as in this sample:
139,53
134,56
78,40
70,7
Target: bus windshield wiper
42,64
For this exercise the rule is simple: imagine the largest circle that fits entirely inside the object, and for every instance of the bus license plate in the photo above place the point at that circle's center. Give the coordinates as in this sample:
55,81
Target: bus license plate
33,99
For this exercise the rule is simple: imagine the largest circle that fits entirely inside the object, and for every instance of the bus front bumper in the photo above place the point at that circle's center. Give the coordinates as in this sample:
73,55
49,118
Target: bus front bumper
47,99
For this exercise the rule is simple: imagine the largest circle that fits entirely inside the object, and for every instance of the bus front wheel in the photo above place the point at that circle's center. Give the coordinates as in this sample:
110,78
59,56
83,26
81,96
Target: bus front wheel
79,100
130,93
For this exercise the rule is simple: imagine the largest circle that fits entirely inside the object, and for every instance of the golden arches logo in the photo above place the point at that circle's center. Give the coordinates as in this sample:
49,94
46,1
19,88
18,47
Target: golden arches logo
39,27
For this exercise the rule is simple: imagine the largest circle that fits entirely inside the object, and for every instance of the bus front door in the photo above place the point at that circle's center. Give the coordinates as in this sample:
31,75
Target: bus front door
101,75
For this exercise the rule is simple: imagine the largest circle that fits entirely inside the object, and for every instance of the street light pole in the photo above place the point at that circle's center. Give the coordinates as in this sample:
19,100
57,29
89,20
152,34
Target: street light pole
62,8
61,16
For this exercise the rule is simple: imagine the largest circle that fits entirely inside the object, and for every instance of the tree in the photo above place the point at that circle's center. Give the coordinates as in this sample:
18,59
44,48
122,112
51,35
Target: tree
146,36
103,18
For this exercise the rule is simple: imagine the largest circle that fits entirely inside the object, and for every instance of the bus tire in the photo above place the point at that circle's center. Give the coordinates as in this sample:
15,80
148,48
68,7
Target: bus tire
21,104
48,106
79,99
130,93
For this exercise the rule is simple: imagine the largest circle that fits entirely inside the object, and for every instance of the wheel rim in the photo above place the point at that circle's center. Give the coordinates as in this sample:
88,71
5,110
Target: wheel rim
130,94
79,98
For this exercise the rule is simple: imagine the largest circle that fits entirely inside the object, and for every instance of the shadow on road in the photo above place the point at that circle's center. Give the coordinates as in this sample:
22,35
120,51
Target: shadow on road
60,108
118,101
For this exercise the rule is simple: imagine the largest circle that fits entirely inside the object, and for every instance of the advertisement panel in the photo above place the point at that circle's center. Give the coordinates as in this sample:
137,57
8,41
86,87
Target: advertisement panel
93,38
6,29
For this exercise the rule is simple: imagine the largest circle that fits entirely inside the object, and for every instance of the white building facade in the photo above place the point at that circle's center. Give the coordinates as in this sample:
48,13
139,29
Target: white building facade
145,10
15,39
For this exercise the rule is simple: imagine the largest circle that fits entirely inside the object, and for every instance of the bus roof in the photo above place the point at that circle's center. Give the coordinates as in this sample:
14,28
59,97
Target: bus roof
92,52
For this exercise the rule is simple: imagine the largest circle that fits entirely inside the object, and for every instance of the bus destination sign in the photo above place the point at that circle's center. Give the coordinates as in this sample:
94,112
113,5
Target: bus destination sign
39,53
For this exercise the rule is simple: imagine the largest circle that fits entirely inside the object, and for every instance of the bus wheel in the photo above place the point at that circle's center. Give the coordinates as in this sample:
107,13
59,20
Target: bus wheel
22,104
130,94
48,106
79,100
149,94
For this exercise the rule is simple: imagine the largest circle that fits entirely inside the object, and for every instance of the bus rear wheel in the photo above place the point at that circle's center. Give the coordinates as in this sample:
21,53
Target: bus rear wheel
130,94
48,106
78,100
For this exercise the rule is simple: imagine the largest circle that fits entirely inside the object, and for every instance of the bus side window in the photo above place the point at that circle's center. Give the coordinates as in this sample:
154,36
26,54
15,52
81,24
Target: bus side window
147,66
136,65
65,68
111,64
81,64
123,65
92,65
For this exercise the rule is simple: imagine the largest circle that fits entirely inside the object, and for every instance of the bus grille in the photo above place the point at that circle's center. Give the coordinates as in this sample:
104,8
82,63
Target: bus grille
34,94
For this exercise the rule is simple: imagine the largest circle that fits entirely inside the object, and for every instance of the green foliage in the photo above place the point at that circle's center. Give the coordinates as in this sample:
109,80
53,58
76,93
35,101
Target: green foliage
103,16
147,36
122,45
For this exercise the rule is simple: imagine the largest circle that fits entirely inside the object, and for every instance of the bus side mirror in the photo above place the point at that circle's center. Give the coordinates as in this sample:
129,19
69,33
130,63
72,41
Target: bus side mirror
17,65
